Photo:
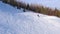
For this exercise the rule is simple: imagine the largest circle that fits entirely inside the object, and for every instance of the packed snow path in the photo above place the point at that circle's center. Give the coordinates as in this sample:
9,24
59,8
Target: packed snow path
14,21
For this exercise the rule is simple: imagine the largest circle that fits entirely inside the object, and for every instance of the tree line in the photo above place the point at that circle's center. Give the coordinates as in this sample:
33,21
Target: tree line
33,7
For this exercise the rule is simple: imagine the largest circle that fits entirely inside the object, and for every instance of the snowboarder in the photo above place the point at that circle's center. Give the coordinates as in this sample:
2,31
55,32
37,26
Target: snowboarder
38,15
24,10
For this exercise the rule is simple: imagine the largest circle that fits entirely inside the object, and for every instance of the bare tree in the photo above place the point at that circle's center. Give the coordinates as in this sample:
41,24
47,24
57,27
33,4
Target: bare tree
32,7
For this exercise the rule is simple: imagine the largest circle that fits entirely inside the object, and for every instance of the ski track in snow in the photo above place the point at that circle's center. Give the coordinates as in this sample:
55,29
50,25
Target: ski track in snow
14,21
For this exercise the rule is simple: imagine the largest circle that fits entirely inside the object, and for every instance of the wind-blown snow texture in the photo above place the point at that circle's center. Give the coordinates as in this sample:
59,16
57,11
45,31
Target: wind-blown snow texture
14,22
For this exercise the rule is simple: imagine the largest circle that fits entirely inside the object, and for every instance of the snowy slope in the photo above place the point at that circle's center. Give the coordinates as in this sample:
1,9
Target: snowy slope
14,21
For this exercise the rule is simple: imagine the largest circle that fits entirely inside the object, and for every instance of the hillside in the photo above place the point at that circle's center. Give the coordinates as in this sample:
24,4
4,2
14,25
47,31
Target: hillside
33,7
15,21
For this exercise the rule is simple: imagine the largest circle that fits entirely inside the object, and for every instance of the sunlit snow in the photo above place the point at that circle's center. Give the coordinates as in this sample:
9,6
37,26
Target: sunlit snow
15,21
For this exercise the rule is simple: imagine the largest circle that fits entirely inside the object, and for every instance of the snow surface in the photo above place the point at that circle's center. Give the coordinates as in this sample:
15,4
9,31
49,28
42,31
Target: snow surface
15,21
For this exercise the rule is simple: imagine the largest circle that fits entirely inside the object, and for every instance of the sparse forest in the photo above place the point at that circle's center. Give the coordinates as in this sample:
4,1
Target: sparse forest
32,7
